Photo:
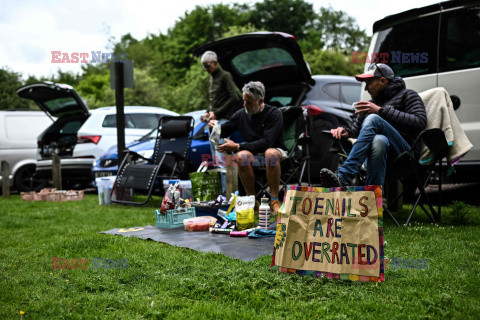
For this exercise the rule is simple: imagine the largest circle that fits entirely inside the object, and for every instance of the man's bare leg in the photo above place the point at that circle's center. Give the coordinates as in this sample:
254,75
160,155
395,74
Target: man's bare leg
272,164
244,160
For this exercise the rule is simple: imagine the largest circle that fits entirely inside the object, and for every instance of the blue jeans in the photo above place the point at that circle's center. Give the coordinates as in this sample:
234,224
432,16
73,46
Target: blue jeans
376,140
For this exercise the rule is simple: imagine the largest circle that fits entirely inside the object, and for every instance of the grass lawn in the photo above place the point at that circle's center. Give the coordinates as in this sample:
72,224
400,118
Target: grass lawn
165,282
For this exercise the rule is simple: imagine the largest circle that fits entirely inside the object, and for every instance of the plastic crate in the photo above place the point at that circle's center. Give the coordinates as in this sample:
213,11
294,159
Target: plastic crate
173,218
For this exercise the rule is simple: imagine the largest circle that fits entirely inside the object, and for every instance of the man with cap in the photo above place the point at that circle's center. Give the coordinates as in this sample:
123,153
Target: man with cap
385,126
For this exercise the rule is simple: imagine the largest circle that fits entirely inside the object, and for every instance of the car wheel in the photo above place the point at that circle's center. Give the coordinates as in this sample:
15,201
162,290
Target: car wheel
25,179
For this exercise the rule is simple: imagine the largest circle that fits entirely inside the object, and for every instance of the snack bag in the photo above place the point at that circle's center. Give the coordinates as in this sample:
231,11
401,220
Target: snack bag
245,215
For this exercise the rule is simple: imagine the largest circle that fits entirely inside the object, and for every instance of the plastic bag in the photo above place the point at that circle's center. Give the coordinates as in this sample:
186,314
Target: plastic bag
244,207
216,132
169,200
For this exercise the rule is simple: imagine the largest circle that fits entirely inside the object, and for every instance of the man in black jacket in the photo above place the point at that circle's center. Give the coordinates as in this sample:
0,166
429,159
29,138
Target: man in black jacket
384,127
262,128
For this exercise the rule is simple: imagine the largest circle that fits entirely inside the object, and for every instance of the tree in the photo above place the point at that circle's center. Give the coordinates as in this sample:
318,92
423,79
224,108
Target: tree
339,30
332,61
291,16
9,82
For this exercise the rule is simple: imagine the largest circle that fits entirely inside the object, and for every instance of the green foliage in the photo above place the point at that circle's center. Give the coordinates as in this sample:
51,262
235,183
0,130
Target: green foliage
9,82
462,214
339,30
67,77
190,95
238,30
291,16
93,88
331,61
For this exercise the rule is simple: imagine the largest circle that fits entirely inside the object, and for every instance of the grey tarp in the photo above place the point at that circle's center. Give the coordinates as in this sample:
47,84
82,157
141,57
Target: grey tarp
239,248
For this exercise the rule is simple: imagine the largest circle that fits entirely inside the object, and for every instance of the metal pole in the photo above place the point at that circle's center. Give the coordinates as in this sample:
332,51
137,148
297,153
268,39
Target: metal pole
119,99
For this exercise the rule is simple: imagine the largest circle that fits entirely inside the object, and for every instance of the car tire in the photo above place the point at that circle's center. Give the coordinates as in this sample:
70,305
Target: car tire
25,180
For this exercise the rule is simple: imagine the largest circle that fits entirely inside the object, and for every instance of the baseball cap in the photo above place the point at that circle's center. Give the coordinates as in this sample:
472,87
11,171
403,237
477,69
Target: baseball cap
377,70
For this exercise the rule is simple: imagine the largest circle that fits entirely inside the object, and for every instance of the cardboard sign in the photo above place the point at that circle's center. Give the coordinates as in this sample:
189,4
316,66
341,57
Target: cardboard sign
335,233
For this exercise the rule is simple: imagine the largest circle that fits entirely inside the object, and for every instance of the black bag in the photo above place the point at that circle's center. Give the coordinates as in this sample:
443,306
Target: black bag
320,145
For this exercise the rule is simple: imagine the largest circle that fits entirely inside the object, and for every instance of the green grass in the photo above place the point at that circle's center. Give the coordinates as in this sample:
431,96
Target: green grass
165,282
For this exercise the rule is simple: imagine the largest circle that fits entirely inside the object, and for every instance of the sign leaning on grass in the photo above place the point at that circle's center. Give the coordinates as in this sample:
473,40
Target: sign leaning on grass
335,233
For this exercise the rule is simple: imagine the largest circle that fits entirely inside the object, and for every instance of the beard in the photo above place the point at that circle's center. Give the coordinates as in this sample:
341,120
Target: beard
255,110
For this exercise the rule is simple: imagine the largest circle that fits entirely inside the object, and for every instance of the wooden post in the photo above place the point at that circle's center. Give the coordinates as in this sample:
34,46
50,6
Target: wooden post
231,177
5,179
56,172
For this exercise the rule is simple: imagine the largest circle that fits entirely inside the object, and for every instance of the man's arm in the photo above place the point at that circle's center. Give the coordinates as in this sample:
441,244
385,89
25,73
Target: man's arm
413,119
229,127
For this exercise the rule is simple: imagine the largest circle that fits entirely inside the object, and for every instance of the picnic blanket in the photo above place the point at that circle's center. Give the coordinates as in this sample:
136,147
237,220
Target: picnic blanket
238,248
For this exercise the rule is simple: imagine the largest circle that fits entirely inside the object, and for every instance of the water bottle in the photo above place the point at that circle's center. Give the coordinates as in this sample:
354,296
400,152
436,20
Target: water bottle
264,213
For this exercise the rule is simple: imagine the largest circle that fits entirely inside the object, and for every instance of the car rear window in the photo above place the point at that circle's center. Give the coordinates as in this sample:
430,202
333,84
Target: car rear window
252,61
70,127
133,120
60,103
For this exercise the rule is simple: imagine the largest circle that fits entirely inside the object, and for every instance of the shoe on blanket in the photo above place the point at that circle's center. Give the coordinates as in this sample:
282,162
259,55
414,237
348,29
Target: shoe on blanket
329,179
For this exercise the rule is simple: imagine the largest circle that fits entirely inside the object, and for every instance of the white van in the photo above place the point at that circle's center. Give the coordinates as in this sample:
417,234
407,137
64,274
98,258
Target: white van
18,145
438,46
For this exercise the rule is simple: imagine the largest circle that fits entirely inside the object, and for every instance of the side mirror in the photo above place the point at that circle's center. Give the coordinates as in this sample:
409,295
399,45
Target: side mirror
455,101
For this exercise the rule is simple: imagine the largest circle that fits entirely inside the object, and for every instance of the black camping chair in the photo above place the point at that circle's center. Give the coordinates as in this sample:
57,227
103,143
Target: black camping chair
296,164
169,160
407,168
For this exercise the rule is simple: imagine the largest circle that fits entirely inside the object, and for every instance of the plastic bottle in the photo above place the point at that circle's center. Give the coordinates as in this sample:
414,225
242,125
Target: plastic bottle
264,213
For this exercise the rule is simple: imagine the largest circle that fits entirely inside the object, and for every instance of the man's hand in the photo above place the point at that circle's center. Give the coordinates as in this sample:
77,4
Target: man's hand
339,133
211,116
228,146
212,123
367,107
204,117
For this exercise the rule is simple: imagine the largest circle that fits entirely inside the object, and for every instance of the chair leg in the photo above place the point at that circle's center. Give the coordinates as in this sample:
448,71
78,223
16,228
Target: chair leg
440,177
432,209
391,215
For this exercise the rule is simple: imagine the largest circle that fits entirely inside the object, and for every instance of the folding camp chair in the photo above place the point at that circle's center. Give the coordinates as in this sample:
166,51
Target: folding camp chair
407,168
296,164
169,160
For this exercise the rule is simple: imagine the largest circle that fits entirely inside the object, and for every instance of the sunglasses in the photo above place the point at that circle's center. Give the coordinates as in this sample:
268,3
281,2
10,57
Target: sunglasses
252,90
207,65
373,66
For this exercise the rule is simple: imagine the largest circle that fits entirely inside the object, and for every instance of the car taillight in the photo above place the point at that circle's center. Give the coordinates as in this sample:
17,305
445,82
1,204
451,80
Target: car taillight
87,139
